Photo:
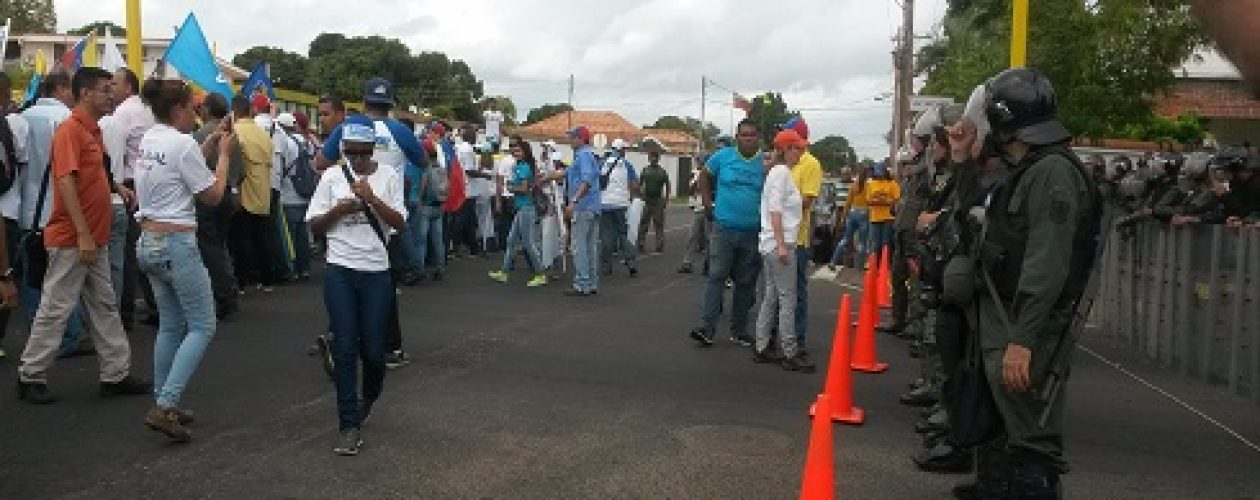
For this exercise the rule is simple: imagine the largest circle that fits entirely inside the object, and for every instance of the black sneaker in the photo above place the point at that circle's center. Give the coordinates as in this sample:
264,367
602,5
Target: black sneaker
742,340
35,393
396,359
702,336
685,269
797,364
766,357
128,386
634,272
348,443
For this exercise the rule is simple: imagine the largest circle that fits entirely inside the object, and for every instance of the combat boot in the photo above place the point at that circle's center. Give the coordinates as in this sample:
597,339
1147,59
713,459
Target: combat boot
993,475
1033,477
922,397
938,421
945,458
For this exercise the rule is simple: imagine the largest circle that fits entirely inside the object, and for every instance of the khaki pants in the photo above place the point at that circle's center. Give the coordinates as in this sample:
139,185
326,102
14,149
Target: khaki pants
66,282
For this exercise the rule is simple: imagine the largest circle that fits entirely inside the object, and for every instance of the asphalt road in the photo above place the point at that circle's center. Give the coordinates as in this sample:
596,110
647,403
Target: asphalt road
524,393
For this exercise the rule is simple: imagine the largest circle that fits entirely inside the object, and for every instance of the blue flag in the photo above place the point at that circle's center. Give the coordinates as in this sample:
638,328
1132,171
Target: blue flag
32,90
259,79
190,54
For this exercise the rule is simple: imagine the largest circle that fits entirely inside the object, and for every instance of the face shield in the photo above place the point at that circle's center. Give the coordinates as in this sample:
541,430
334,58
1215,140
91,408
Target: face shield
974,112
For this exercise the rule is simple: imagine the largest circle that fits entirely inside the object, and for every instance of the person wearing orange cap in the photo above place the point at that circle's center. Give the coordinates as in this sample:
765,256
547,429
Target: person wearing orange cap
807,176
782,212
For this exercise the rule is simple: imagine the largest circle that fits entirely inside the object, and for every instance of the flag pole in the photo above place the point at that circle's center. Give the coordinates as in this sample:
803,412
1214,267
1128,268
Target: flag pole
135,49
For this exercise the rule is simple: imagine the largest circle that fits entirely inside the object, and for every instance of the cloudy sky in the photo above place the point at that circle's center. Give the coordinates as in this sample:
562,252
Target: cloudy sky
643,59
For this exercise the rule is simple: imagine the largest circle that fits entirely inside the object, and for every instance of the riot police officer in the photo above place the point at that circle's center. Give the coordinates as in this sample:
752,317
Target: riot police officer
1196,198
1038,236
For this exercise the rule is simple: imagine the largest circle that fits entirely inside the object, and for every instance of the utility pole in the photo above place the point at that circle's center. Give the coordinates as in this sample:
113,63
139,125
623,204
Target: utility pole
704,82
570,127
903,75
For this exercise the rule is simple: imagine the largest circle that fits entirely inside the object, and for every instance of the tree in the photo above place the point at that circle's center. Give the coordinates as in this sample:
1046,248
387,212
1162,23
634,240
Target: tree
1108,59
288,69
99,28
30,16
689,125
546,111
834,152
769,111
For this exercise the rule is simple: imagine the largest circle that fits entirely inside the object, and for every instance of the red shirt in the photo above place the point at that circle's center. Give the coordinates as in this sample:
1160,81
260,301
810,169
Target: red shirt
77,149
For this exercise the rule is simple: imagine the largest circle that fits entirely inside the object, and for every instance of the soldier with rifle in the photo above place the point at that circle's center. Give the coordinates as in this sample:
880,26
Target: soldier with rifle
1038,236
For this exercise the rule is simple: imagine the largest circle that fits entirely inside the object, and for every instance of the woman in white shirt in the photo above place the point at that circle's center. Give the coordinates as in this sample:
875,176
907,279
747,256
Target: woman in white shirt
170,176
780,219
357,218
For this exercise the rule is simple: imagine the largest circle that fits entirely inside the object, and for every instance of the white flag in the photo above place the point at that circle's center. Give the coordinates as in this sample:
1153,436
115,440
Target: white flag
4,37
113,59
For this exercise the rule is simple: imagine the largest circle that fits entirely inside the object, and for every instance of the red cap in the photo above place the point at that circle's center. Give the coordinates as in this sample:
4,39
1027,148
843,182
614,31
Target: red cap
439,129
303,121
581,132
788,137
261,103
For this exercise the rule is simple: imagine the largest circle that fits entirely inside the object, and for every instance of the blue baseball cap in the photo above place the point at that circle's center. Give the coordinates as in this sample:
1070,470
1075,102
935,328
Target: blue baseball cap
357,132
880,168
378,91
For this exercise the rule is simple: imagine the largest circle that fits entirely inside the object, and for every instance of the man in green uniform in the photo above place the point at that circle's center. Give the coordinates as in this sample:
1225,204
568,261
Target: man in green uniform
1038,239
656,189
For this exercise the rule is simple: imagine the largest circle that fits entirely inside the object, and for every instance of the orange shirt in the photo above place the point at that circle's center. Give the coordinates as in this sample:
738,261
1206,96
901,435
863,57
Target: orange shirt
77,148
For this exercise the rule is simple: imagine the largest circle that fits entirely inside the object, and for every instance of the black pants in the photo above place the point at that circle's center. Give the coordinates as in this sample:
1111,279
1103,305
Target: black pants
900,264
213,227
254,246
464,227
952,335
503,222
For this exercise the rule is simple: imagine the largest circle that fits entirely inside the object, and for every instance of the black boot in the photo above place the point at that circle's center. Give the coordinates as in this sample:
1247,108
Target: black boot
1033,477
944,458
924,396
993,474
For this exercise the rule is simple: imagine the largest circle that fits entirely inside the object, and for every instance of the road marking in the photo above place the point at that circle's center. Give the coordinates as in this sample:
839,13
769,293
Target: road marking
1171,397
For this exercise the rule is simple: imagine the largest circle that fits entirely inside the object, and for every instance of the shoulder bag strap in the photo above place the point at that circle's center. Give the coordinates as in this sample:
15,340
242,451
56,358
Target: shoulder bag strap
43,193
367,209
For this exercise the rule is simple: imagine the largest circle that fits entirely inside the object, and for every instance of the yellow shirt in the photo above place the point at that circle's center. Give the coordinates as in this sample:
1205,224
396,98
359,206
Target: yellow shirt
256,147
807,175
881,195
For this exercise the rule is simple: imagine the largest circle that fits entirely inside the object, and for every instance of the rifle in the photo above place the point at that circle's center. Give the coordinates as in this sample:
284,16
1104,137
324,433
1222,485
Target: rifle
1059,368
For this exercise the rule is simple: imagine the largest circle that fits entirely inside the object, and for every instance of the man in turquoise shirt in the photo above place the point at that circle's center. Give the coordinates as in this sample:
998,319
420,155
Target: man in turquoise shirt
738,175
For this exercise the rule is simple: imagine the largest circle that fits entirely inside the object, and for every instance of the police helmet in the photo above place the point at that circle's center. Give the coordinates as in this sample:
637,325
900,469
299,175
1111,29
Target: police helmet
1197,164
1021,106
1121,165
1132,185
927,123
1230,159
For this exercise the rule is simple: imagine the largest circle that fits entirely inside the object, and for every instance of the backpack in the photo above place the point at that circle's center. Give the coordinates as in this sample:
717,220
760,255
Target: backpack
302,171
439,183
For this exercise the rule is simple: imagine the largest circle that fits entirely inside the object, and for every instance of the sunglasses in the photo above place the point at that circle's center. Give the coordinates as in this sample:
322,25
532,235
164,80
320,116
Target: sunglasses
358,155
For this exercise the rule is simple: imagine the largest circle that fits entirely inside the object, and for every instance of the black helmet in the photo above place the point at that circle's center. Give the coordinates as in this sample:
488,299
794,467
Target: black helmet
1021,105
1230,159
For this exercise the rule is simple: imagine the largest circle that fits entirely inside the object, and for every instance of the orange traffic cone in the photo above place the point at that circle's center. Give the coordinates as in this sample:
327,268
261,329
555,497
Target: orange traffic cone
868,283
885,280
819,482
864,345
839,388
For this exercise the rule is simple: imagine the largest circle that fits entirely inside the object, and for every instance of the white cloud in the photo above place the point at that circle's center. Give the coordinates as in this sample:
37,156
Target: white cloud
830,58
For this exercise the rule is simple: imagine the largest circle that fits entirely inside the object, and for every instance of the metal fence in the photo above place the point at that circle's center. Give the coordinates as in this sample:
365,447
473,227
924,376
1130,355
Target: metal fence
1187,298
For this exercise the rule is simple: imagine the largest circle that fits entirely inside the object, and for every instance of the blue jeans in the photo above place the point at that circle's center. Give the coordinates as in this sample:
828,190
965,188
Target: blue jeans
855,231
300,234
185,301
426,233
732,254
615,238
118,249
29,298
584,239
881,235
802,295
359,305
521,234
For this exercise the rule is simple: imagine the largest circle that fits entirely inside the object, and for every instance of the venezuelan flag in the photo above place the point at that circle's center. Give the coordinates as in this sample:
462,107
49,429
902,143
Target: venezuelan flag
84,53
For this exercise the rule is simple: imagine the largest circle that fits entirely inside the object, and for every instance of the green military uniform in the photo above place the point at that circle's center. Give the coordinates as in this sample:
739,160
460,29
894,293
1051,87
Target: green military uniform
1033,252
655,183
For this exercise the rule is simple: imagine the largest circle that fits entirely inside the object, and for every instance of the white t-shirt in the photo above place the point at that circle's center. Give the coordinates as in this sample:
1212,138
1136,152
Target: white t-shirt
388,153
115,139
11,200
494,121
467,156
779,195
351,241
170,171
283,153
504,168
620,174
289,195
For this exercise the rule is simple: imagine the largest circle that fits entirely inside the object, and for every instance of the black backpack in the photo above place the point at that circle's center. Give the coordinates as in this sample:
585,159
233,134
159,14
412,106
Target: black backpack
302,171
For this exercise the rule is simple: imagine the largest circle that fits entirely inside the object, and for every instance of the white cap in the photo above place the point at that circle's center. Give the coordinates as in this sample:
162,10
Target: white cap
620,143
286,120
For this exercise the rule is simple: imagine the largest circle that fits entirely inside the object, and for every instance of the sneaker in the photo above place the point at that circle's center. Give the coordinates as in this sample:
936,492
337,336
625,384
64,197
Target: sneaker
705,338
348,443
166,421
35,393
323,344
797,364
184,417
396,359
766,356
499,276
539,280
634,272
741,340
685,269
128,386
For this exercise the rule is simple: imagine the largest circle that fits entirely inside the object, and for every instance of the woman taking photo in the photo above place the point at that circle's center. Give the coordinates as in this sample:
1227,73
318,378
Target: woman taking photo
170,177
781,213
856,219
521,184
356,207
